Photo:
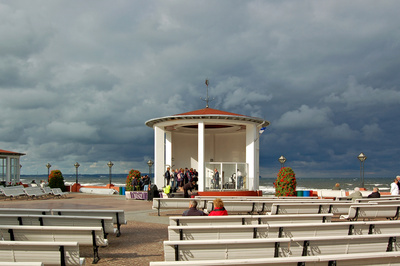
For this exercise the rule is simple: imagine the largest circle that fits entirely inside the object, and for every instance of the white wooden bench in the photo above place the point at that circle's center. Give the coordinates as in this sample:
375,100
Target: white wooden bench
246,206
386,202
48,191
211,198
58,192
329,193
176,203
21,263
25,211
85,236
280,230
232,204
50,253
34,192
299,208
267,204
13,192
56,220
277,247
365,259
335,207
358,211
378,200
249,219
118,216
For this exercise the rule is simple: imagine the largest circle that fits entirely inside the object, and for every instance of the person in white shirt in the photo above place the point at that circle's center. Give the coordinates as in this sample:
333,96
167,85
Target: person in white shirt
394,189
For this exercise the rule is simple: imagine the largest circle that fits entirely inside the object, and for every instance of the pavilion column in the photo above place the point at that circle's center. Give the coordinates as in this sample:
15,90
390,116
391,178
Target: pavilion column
168,150
201,145
8,169
159,151
251,155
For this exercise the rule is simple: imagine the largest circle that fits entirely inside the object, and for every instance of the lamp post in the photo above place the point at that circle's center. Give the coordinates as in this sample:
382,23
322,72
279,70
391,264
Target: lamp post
282,160
76,166
150,164
362,159
110,164
48,165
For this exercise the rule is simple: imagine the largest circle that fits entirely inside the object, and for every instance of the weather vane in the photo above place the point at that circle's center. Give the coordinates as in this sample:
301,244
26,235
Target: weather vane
207,99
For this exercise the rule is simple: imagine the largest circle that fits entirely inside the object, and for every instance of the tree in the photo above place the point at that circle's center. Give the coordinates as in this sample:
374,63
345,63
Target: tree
285,184
56,180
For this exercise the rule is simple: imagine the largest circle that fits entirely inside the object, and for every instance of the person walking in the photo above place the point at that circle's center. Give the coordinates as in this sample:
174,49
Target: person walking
394,188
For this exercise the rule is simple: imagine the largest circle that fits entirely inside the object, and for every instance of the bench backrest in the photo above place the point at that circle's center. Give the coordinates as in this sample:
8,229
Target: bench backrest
239,206
25,211
21,263
34,191
56,220
299,208
365,259
280,230
378,200
176,203
277,247
249,219
359,211
50,253
118,216
86,236
13,191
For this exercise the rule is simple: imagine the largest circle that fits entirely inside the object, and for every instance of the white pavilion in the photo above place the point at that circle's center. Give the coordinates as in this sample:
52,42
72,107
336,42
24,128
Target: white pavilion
205,140
10,167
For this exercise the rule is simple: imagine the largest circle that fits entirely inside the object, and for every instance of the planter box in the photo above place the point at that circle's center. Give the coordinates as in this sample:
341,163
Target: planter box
137,195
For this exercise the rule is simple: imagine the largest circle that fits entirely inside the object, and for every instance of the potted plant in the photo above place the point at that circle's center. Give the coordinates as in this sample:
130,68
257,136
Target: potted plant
285,184
133,174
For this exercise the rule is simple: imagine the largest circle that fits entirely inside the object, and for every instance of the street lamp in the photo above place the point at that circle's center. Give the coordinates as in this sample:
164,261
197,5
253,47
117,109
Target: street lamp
362,159
282,160
48,165
150,164
76,166
110,164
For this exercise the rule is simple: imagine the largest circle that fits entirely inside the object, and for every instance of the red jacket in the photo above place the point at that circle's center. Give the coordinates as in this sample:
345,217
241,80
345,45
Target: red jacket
218,212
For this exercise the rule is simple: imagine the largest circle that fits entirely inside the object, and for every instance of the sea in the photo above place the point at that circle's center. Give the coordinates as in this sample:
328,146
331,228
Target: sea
266,184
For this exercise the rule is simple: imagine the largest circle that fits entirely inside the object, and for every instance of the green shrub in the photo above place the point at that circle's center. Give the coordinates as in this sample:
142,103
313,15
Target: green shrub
132,174
56,180
285,184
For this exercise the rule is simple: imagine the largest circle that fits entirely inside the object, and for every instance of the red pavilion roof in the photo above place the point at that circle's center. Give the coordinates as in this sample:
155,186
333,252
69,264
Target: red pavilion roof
207,113
11,152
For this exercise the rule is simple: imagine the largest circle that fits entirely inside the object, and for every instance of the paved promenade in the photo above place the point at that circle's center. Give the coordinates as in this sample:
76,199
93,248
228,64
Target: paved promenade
141,240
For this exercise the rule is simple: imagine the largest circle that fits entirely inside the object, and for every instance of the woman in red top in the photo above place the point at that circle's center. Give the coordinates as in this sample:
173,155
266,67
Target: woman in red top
218,208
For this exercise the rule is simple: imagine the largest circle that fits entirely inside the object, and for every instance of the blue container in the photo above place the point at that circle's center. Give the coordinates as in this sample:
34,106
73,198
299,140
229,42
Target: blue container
122,190
306,193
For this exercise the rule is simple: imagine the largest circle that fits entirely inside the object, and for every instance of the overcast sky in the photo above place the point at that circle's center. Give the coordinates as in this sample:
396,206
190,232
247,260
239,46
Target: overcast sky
78,80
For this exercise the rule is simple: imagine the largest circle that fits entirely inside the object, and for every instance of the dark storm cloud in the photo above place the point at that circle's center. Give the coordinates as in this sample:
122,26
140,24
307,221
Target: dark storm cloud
78,80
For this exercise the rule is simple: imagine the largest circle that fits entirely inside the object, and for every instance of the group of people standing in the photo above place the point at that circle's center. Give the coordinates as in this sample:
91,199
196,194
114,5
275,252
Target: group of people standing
180,177
141,184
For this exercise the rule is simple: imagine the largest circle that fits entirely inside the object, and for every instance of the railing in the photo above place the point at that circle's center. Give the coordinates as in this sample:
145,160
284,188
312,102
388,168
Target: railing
232,176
